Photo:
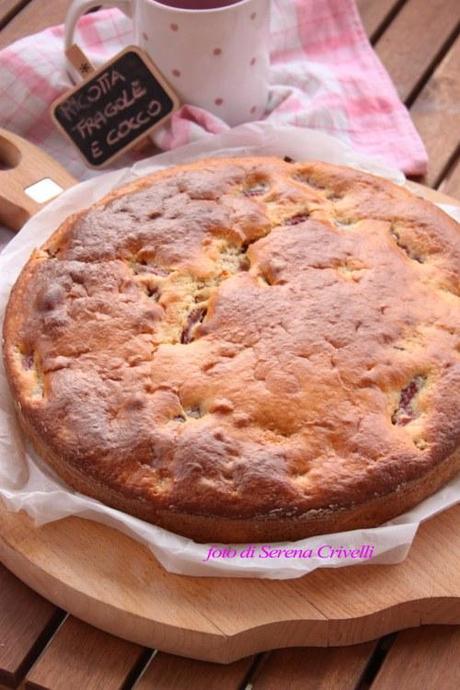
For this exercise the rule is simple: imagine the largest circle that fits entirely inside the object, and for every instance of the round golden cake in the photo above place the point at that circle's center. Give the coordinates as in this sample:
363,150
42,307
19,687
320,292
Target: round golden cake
245,350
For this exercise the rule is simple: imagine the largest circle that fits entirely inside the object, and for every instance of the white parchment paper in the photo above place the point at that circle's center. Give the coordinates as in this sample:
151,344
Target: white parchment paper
26,483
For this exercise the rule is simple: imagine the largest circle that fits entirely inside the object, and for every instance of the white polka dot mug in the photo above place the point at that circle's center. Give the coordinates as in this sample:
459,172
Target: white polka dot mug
214,53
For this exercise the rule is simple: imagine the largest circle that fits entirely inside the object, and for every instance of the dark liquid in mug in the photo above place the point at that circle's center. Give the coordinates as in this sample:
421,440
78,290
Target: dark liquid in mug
197,4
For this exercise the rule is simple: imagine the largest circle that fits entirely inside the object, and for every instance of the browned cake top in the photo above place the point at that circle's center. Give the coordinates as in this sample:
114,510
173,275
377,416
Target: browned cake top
244,337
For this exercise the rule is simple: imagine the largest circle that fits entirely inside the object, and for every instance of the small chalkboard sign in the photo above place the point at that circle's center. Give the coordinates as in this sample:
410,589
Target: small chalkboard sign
116,106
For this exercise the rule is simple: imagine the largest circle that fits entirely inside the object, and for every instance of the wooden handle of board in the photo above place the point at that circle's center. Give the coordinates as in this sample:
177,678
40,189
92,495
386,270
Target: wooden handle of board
29,178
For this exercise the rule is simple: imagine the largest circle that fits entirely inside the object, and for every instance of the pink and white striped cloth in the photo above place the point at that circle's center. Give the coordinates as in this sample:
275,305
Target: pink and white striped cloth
324,75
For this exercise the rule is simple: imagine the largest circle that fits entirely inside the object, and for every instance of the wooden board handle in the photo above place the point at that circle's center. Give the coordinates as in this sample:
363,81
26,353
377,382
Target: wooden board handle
29,178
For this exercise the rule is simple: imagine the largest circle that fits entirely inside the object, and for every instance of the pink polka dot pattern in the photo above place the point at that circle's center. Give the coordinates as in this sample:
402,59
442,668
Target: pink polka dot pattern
174,27
145,37
219,101
217,51
176,72
253,61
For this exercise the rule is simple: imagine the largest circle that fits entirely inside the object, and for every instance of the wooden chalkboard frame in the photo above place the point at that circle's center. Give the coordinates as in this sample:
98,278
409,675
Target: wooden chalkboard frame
151,67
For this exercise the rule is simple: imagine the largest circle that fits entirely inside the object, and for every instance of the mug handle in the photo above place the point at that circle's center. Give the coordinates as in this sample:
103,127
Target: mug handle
79,7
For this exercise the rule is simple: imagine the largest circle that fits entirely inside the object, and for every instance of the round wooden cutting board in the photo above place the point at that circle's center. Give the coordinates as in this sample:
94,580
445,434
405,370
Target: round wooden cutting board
107,579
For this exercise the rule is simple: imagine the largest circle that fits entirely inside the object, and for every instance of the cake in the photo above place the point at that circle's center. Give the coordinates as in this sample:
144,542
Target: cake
245,350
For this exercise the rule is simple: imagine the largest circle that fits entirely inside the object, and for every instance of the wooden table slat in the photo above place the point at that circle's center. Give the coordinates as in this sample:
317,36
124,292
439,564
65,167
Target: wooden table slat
451,183
376,13
436,114
169,672
413,41
332,668
36,16
422,658
25,618
80,656
8,8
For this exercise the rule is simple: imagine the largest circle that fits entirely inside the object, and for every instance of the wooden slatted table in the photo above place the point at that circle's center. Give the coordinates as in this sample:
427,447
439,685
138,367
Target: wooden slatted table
42,647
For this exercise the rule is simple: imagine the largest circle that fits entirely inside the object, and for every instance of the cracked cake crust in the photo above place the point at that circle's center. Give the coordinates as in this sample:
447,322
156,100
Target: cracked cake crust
245,349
